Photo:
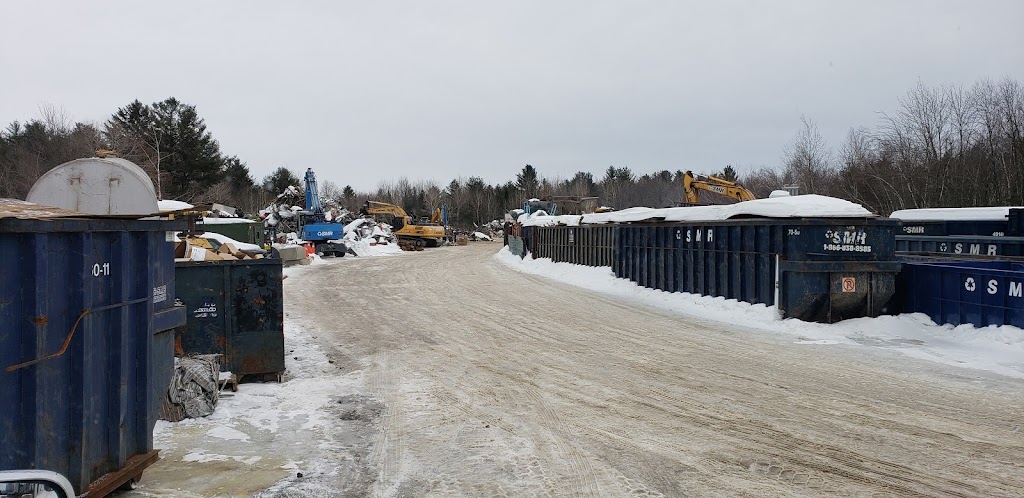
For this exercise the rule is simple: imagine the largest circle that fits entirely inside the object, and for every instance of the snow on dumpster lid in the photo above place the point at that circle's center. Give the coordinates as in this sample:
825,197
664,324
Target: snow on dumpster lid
994,213
224,239
800,206
227,221
541,220
167,205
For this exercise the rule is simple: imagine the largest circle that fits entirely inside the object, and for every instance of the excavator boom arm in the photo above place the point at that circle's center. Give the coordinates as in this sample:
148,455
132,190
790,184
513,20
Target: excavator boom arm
374,207
692,186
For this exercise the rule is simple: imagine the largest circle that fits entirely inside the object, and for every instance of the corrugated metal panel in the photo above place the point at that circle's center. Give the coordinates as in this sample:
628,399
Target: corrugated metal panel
590,245
829,270
80,384
234,308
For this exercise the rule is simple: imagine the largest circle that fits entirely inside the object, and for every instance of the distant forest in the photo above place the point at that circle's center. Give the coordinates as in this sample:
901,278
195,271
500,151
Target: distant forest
941,147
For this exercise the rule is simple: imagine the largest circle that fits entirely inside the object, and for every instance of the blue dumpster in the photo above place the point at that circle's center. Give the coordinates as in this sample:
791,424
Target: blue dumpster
961,246
981,293
813,269
85,358
980,239
975,228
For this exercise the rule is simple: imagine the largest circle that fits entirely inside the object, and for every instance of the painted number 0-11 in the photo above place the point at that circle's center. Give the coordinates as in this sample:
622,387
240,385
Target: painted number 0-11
99,270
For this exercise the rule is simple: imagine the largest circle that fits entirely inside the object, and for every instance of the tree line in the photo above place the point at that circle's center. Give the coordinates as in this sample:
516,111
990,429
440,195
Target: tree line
946,146
168,139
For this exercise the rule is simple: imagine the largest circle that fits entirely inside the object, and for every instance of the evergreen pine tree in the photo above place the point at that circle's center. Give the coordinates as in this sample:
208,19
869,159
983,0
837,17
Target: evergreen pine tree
528,182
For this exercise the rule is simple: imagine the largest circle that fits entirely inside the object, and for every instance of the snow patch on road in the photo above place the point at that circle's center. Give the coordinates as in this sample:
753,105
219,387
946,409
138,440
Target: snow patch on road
201,456
225,432
994,349
268,427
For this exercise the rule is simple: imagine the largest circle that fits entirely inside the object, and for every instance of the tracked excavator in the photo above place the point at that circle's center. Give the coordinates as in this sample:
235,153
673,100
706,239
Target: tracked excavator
693,185
403,226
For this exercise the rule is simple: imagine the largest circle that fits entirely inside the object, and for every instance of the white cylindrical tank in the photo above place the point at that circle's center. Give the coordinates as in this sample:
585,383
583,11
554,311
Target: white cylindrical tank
96,185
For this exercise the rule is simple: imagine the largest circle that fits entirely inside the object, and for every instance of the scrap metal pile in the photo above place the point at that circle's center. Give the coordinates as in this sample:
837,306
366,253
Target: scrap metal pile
283,215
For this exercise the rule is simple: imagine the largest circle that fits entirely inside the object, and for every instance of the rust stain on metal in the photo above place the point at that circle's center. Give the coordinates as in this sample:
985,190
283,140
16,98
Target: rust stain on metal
64,347
40,320
253,365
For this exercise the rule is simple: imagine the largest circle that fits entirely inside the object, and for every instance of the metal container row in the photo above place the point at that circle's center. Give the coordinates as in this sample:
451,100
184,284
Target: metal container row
971,228
1013,226
236,309
981,293
85,352
590,245
812,269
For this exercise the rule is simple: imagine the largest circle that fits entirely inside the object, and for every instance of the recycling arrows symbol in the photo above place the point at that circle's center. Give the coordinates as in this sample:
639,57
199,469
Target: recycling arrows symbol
969,284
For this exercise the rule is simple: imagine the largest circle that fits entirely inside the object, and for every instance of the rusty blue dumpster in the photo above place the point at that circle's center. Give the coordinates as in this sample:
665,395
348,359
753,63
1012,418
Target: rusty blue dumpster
85,356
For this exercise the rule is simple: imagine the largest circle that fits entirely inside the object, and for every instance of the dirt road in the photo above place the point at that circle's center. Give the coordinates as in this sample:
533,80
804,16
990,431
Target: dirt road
493,382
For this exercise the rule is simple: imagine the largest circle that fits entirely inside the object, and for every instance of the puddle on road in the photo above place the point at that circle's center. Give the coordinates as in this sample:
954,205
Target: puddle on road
195,462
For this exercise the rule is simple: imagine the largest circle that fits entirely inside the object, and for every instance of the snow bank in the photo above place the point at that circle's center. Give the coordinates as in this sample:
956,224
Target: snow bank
165,206
800,206
994,349
363,248
995,213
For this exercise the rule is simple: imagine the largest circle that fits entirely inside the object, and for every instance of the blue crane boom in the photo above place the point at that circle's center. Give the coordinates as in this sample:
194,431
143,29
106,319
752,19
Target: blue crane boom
315,227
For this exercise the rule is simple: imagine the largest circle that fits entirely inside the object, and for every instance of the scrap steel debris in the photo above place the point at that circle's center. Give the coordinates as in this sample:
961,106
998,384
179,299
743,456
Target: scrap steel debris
283,213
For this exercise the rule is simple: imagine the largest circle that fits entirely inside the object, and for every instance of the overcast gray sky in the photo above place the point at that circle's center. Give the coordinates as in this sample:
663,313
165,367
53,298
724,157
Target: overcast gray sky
365,91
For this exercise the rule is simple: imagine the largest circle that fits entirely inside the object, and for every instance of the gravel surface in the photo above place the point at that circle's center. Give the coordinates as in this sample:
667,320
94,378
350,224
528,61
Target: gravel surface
477,380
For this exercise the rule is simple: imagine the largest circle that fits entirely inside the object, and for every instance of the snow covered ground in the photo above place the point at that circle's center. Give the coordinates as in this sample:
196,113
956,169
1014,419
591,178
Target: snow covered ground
589,394
994,349
266,434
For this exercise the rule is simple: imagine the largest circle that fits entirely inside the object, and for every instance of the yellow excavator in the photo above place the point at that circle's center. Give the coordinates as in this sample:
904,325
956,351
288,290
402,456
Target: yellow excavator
403,226
692,185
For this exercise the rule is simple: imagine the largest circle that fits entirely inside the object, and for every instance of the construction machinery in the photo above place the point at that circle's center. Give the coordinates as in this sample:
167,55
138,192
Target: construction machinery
692,185
315,226
403,226
549,207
